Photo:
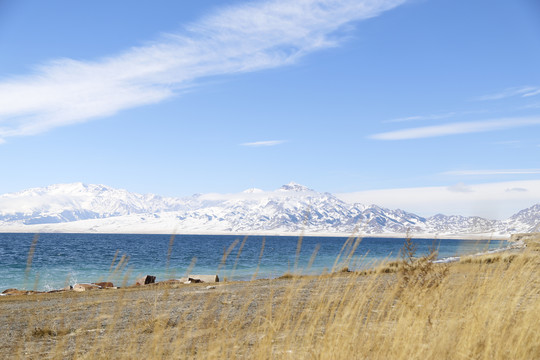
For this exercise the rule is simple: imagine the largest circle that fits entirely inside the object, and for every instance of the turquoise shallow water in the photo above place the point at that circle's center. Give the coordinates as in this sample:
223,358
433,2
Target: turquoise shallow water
60,259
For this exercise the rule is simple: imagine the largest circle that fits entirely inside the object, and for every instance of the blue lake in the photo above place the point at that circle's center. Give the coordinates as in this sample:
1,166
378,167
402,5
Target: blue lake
61,259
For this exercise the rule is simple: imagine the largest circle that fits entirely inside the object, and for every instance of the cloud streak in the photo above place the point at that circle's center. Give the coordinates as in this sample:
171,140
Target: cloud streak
446,115
422,117
524,91
456,128
239,39
264,143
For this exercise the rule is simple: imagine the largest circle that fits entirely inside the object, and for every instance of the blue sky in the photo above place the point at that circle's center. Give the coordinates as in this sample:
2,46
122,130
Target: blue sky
349,97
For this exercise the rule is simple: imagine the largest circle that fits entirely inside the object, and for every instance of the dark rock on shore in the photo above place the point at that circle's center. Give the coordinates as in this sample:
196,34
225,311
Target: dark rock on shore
145,280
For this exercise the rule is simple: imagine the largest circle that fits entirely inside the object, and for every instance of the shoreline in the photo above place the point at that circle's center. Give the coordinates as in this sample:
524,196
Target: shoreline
518,245
444,236
514,246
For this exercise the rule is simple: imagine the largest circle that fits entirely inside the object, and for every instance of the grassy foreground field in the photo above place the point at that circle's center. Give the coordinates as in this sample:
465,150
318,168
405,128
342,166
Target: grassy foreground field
479,308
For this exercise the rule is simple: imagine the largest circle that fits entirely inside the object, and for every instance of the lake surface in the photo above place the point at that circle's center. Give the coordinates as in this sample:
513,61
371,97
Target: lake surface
52,261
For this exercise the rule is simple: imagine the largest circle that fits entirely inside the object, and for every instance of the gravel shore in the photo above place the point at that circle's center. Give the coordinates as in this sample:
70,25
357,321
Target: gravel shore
31,326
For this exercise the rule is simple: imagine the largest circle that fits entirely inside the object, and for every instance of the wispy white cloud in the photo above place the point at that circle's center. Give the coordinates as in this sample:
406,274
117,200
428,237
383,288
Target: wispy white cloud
264,143
456,128
492,172
532,93
524,91
237,39
440,116
421,117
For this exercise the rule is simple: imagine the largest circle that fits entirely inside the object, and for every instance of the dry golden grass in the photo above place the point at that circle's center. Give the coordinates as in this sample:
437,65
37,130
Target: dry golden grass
411,309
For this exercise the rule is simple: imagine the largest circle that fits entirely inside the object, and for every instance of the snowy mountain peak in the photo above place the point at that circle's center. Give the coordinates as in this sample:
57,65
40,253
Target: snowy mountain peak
292,186
71,188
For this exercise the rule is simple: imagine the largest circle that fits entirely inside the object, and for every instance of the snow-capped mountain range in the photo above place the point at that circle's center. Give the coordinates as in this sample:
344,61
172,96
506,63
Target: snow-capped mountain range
293,208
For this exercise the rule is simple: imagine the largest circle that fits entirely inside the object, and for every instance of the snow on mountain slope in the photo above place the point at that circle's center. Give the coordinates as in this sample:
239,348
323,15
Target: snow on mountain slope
291,208
455,224
375,219
77,201
527,220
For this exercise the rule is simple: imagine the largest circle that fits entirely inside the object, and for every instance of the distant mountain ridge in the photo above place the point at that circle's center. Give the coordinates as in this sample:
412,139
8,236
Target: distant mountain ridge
292,208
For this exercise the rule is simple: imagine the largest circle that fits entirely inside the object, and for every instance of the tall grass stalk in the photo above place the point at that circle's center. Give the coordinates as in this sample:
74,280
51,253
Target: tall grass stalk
481,309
